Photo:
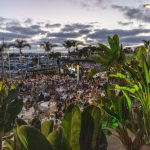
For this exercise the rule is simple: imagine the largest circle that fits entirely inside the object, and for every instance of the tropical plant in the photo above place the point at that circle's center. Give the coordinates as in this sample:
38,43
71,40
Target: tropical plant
10,107
20,44
110,59
78,131
112,56
126,105
121,120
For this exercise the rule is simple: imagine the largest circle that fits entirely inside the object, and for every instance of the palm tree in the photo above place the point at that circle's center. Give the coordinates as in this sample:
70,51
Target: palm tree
68,44
20,44
84,52
75,44
87,51
112,57
2,48
47,46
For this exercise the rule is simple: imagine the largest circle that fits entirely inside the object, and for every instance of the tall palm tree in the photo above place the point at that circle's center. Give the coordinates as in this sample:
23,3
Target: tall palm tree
47,46
68,44
20,44
75,44
2,48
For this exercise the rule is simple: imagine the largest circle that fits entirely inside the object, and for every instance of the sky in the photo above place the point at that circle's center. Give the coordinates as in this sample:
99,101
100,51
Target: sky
89,21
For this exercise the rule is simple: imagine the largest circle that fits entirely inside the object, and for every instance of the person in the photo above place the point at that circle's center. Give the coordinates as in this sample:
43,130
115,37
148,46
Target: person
41,97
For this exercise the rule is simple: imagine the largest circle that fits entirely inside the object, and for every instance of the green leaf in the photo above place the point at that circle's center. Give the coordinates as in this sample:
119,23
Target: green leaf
20,122
128,100
90,128
57,140
15,107
47,127
146,72
116,39
72,123
111,113
32,139
111,44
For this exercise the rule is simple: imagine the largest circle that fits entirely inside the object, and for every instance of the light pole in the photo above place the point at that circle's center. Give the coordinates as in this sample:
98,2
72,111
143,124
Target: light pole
147,5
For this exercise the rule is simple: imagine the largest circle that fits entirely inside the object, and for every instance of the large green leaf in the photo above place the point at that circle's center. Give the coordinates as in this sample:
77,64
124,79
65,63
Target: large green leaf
147,75
20,122
116,40
47,127
32,139
72,123
15,107
58,140
112,44
90,128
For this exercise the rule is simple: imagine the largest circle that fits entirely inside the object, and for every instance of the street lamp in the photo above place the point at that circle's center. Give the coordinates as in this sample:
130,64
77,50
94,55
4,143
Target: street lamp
147,5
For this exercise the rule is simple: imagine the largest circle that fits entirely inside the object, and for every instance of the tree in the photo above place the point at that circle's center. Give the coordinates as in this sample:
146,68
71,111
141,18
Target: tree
87,51
68,44
47,46
75,44
2,48
20,44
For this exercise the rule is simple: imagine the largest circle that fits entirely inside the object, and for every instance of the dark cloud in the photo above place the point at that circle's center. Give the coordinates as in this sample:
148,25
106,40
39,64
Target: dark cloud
76,26
57,25
11,36
40,23
125,23
84,31
64,35
12,23
134,13
28,21
126,35
101,33
30,31
17,29
88,3
134,39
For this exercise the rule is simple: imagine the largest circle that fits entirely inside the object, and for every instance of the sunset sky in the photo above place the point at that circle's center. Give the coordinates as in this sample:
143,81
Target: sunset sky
90,21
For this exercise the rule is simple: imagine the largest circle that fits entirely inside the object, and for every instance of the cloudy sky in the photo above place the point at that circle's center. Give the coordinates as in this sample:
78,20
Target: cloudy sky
89,21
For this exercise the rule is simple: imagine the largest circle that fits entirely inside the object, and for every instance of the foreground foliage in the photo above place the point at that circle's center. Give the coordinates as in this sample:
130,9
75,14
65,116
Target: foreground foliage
78,131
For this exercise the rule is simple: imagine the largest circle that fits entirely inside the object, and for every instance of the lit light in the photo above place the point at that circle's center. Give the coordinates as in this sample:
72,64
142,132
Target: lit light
147,5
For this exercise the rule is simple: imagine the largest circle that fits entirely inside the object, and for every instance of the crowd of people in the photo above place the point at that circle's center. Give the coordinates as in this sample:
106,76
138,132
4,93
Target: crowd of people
49,95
